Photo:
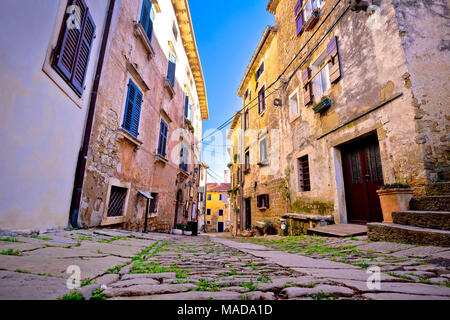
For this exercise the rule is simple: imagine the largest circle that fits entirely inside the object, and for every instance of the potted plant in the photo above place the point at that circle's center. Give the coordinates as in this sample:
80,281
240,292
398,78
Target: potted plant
179,229
394,197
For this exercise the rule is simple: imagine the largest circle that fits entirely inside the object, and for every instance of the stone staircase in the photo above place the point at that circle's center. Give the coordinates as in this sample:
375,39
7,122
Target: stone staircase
426,223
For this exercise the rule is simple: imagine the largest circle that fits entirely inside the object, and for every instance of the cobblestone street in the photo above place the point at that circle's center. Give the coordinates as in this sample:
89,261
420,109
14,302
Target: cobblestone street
127,265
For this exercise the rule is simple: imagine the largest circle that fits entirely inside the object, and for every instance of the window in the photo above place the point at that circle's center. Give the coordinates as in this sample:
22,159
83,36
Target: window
117,201
302,16
246,120
132,109
303,174
262,100
310,6
307,86
208,212
247,161
146,18
321,82
175,30
220,196
263,201
162,145
171,69
246,95
263,155
74,47
293,103
209,197
208,222
154,203
184,157
186,106
221,213
260,71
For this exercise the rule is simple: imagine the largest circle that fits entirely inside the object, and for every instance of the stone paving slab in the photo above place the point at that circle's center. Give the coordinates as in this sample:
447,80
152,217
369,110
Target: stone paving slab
189,296
344,274
20,286
145,290
21,246
385,247
400,296
326,290
424,251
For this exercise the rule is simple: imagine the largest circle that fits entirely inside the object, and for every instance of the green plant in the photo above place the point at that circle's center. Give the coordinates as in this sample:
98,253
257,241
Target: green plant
114,270
8,239
98,295
396,186
229,165
11,252
180,226
21,271
86,282
264,279
269,227
284,186
74,295
249,285
204,285
235,158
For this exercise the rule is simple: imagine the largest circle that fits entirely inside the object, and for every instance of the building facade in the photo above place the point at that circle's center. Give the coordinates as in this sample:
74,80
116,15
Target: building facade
143,168
49,54
359,101
217,207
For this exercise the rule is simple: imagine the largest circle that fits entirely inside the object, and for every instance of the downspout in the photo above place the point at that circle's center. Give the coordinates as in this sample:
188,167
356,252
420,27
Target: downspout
82,157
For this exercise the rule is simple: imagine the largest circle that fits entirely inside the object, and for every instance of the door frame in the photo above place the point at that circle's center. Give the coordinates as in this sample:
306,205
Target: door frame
339,172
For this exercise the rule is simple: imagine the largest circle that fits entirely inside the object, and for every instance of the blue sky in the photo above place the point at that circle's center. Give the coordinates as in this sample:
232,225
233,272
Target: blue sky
227,34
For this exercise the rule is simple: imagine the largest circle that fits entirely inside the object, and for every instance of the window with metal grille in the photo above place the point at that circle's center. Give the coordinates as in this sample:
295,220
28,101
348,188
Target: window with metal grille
263,201
262,100
117,201
303,174
72,54
247,160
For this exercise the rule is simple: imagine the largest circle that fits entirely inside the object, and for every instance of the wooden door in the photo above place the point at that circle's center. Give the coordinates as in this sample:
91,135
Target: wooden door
248,213
220,227
363,176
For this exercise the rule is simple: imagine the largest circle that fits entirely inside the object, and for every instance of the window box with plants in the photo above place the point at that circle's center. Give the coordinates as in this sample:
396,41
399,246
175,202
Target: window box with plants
322,106
394,197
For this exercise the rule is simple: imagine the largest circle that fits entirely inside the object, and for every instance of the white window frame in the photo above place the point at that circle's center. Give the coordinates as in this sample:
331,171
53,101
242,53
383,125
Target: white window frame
321,82
291,99
310,6
263,139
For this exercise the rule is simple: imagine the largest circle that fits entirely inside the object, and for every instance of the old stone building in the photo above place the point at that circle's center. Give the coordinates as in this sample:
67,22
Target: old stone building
145,148
217,207
361,102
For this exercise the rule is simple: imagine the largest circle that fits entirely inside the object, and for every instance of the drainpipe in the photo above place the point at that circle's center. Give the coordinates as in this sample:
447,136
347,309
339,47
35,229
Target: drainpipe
82,157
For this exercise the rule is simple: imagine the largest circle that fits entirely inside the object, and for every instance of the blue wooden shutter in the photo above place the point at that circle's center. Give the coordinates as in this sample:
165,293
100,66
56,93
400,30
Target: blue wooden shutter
186,106
146,20
162,139
299,17
171,73
307,88
132,109
84,52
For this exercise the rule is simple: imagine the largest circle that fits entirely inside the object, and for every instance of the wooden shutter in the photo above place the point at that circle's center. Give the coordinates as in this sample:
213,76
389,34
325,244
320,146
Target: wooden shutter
84,51
132,109
171,73
307,88
162,139
299,16
334,65
186,106
146,19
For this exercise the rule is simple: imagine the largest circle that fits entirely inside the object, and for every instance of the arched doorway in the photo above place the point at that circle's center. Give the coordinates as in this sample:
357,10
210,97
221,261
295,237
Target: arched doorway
178,207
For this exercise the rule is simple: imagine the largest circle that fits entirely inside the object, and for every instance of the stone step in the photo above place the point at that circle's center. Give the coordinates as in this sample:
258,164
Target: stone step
407,234
441,188
424,219
431,203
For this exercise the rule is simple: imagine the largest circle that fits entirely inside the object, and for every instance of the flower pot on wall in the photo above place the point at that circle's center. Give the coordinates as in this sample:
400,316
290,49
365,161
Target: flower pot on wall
394,200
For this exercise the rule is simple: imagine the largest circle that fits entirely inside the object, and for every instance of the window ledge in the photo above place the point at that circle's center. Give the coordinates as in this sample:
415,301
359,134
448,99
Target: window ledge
124,134
262,208
160,158
139,32
263,163
183,173
294,118
169,88
262,114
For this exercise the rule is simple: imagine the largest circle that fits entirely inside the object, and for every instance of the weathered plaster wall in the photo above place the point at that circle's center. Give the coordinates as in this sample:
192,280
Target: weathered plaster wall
111,155
424,30
40,126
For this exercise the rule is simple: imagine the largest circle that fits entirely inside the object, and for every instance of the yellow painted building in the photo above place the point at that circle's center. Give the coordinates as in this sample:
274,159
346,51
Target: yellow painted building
217,207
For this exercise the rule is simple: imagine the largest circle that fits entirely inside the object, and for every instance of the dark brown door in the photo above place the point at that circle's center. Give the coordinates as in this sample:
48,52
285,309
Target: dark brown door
363,176
248,213
177,206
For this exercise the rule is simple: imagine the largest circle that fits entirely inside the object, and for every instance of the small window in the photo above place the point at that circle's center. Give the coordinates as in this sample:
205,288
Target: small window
247,161
246,95
208,212
186,106
310,6
154,203
117,201
175,30
262,100
132,109
260,71
303,174
209,197
246,120
220,197
221,213
184,158
293,102
263,201
208,222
